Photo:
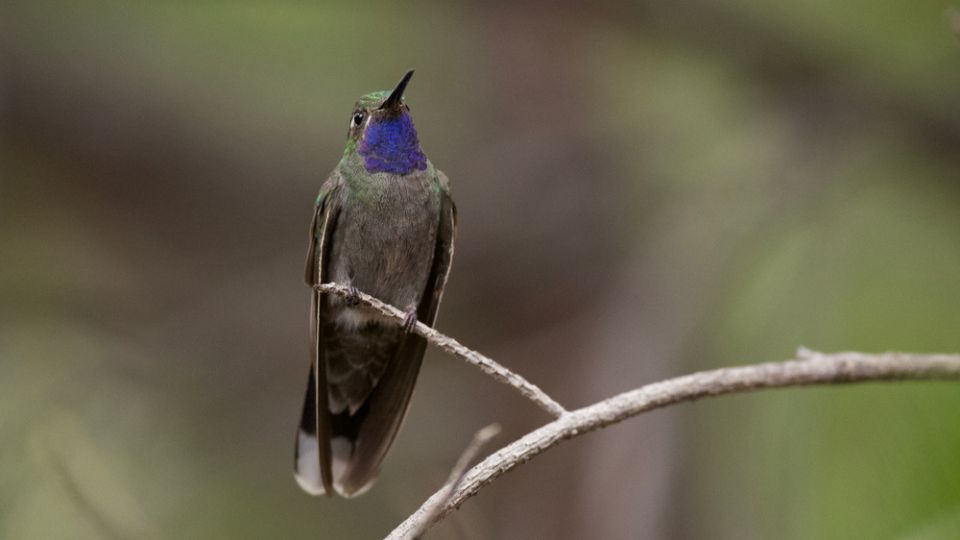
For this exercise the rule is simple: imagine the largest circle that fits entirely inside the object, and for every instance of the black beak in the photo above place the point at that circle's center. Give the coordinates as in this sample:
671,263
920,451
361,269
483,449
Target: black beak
393,102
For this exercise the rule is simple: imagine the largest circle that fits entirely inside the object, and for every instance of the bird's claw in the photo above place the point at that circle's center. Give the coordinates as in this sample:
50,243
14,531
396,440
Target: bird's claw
410,321
353,296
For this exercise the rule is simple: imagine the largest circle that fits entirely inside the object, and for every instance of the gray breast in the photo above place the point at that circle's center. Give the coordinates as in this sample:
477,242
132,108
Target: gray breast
385,237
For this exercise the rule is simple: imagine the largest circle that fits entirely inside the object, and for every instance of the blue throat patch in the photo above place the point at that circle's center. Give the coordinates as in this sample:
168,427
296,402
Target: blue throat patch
391,146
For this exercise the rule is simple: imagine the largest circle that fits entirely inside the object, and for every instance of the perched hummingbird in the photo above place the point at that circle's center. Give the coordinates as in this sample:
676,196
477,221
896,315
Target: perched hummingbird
384,224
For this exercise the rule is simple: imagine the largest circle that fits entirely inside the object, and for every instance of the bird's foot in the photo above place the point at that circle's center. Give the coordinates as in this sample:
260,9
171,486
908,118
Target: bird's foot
353,296
410,321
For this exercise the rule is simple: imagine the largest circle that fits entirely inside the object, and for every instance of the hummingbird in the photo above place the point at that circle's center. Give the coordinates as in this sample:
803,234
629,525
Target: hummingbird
383,223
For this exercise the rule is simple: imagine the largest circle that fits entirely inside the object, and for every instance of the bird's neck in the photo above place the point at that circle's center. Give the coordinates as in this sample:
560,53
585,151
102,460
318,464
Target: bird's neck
391,145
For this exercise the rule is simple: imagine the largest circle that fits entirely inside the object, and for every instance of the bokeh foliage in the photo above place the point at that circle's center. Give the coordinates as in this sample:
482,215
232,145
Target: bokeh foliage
645,189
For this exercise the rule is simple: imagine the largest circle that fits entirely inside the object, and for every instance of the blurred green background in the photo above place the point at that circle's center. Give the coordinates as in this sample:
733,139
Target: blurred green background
645,189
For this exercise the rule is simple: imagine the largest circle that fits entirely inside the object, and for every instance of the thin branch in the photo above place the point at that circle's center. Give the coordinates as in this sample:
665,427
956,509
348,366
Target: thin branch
811,368
452,346
429,513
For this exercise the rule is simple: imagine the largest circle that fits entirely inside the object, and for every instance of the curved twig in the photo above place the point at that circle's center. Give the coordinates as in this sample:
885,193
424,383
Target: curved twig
428,513
811,368
452,346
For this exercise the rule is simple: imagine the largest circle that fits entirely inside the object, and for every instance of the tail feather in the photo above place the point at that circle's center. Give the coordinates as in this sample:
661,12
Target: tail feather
306,457
307,464
311,463
357,440
385,411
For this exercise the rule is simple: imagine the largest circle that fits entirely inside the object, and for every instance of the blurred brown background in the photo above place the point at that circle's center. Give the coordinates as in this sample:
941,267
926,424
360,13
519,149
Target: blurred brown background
645,189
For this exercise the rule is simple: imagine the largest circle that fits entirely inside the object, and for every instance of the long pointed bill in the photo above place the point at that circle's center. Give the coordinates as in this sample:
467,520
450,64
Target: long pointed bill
393,102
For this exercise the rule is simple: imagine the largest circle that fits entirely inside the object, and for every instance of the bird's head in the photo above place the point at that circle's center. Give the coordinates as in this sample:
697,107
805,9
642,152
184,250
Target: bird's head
382,134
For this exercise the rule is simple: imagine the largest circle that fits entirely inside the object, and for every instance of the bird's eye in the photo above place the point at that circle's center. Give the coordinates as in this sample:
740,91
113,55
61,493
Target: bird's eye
357,119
